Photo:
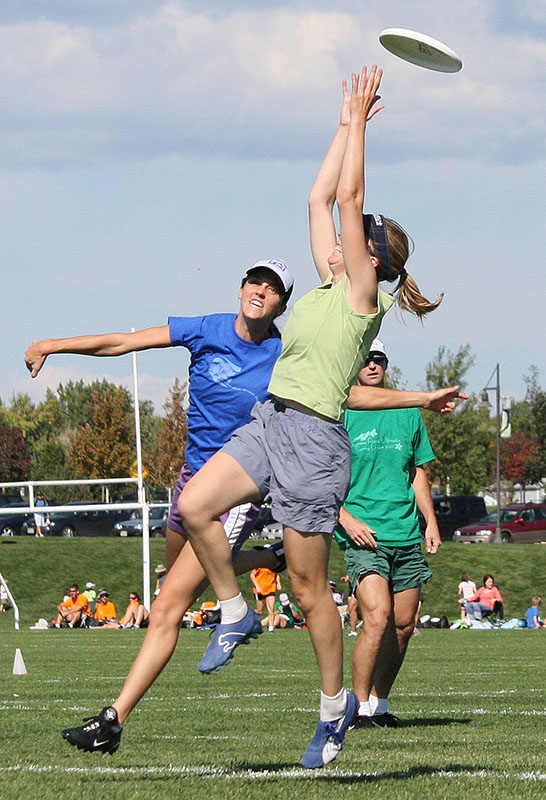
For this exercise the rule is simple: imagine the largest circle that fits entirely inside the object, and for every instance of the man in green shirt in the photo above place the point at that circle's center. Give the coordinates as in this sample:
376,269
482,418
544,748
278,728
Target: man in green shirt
380,535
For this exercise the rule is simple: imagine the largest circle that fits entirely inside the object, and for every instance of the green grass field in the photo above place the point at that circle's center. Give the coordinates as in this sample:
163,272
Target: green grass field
473,706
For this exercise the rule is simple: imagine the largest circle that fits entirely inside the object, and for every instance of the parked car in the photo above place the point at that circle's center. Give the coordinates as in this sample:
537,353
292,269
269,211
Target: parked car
455,510
12,524
10,499
78,523
519,522
133,527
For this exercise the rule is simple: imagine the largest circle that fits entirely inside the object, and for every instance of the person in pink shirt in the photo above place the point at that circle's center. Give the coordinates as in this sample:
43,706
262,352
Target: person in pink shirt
487,600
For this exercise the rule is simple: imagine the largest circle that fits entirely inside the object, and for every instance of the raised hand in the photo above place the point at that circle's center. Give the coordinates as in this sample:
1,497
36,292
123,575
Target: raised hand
365,88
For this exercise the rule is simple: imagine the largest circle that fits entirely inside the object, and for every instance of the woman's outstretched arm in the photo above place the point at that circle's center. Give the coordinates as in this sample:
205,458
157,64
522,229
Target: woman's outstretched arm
360,266
105,344
322,196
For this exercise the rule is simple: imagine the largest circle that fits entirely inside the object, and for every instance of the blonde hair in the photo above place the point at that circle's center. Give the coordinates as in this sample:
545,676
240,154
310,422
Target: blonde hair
407,293
537,600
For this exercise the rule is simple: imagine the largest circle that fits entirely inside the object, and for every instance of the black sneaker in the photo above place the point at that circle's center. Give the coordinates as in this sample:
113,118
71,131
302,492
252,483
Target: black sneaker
278,549
386,720
101,734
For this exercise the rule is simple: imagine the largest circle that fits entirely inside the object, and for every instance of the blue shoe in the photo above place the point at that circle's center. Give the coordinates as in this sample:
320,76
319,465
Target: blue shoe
226,638
329,736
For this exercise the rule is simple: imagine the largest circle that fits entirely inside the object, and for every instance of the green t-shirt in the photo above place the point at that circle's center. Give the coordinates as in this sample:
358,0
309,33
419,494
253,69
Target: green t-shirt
324,345
385,446
288,611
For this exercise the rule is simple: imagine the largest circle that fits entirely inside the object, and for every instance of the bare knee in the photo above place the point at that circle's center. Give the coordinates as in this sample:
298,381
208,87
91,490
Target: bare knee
193,511
404,630
166,615
308,594
376,621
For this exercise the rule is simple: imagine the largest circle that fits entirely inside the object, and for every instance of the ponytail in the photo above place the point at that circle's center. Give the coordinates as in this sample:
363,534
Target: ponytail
407,293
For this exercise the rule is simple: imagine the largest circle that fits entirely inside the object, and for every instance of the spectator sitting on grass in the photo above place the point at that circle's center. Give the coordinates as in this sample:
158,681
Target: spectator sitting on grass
487,600
105,611
532,614
466,589
287,614
90,592
74,610
136,615
4,599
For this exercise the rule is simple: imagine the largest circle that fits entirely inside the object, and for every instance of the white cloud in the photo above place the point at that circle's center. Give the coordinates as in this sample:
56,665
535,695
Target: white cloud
263,81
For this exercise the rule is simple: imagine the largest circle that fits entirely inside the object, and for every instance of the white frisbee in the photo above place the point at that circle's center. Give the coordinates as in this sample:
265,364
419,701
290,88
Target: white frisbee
417,48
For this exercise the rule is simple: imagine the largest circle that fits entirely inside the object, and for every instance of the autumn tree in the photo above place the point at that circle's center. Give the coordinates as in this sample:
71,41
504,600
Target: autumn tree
520,459
105,446
14,462
163,462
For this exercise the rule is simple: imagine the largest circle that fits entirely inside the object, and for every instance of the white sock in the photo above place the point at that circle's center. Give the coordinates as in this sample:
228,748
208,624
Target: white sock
364,709
271,628
233,609
332,708
378,705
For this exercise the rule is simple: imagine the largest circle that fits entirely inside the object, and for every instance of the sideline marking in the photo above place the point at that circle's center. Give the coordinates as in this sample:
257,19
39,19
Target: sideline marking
219,772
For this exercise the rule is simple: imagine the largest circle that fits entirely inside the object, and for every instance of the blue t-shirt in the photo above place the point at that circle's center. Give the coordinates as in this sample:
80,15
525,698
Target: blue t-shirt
228,375
531,614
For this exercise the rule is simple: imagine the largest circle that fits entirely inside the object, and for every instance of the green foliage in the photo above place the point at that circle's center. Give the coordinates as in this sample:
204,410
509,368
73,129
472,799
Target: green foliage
461,440
449,369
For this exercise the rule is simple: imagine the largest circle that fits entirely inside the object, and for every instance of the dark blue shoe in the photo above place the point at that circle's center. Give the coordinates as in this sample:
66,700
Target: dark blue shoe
329,737
226,638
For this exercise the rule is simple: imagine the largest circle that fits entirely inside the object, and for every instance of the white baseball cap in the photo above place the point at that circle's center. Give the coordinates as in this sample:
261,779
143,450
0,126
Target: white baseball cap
280,268
283,599
377,346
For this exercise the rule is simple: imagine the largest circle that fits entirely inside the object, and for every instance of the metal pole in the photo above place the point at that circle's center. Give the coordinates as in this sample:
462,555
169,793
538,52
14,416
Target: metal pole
140,490
498,538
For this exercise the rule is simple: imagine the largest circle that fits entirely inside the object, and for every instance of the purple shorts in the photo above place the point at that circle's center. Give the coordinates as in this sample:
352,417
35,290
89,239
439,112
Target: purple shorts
238,522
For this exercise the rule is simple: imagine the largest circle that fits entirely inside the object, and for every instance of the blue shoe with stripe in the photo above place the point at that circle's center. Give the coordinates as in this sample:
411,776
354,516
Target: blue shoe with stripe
226,638
329,737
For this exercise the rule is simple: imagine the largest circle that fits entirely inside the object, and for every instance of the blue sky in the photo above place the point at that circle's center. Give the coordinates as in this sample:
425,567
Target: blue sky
151,151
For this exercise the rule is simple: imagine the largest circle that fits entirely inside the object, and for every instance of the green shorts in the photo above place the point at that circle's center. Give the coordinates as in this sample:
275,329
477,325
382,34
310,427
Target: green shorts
403,567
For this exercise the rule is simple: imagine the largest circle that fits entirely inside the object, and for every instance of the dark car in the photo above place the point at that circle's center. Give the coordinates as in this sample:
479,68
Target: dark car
10,499
12,524
133,527
79,523
454,510
519,522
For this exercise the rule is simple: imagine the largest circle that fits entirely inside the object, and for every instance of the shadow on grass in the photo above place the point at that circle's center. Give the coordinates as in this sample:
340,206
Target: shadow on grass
326,775
431,721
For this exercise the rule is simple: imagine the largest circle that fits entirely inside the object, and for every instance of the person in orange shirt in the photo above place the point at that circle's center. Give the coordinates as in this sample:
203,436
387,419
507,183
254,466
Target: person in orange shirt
136,615
487,600
73,610
105,610
266,584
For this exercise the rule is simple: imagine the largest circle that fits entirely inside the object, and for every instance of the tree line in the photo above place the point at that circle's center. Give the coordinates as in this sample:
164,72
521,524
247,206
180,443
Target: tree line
87,431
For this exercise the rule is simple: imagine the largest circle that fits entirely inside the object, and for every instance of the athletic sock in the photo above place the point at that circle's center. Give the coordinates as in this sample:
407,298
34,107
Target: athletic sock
378,705
364,709
332,708
233,609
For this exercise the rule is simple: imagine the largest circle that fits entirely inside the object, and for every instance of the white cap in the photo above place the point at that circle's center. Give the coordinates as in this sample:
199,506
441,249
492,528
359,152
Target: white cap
280,268
283,598
378,347
89,585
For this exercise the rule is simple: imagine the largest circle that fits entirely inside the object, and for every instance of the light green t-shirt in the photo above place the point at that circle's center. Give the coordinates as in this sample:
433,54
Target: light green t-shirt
324,345
385,446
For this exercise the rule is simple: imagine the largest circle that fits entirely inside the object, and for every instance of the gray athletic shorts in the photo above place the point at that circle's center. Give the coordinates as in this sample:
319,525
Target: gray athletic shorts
302,462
